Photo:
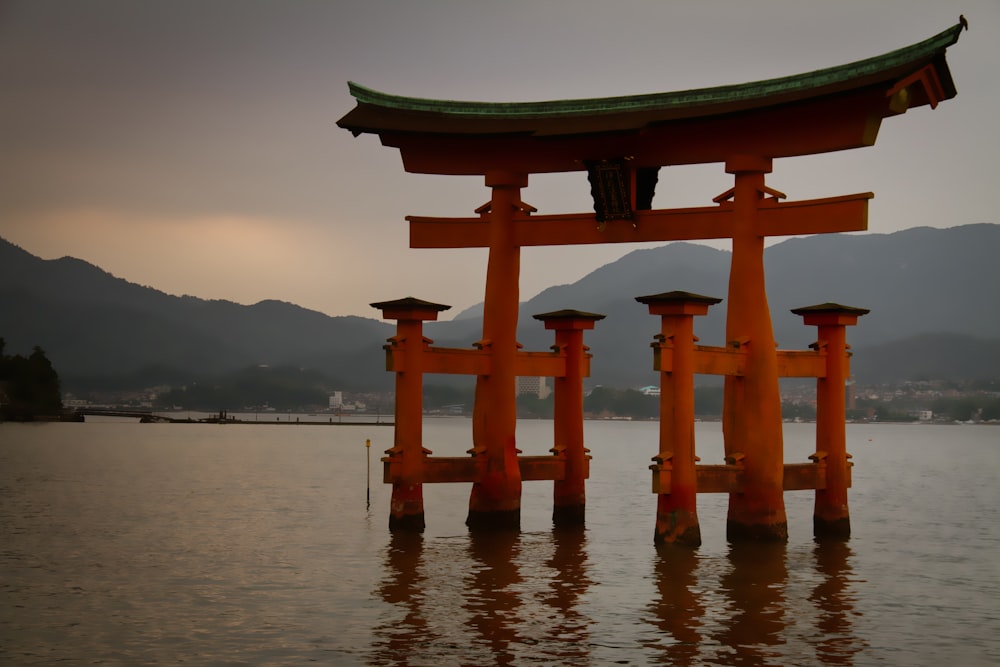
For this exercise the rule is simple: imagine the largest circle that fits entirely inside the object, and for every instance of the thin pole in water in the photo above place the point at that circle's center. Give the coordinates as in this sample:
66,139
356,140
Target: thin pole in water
368,491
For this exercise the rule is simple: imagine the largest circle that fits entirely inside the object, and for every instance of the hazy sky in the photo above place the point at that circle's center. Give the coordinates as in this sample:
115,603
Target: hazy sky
191,145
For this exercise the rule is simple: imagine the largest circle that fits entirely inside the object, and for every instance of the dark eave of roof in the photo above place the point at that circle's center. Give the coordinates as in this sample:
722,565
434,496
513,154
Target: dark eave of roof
379,113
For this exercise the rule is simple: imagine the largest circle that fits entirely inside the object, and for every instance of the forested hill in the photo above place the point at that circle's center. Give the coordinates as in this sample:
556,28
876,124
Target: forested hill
918,283
933,296
95,325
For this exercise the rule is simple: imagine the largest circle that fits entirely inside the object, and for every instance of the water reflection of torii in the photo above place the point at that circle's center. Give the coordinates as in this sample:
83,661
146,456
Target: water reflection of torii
621,143
491,619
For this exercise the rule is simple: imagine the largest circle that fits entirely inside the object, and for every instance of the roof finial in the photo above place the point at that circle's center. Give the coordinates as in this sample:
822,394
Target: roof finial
963,21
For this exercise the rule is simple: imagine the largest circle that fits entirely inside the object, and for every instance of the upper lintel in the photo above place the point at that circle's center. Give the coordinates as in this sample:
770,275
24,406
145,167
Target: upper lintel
832,109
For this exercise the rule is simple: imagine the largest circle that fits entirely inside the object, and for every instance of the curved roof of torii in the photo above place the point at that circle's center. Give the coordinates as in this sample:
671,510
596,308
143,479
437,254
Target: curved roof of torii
829,109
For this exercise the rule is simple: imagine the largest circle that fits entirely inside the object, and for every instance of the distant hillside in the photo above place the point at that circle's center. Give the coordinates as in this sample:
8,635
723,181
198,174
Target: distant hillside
94,325
917,281
99,328
928,357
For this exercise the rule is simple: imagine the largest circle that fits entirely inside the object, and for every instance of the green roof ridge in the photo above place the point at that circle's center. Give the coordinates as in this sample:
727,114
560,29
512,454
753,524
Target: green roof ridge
726,93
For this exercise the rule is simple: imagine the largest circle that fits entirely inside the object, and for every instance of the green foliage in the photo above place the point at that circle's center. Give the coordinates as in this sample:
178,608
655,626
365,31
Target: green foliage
968,407
437,397
29,386
532,407
802,411
708,401
606,401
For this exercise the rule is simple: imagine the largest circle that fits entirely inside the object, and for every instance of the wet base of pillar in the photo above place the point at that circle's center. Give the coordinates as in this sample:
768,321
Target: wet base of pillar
688,537
742,532
831,529
569,515
406,523
493,521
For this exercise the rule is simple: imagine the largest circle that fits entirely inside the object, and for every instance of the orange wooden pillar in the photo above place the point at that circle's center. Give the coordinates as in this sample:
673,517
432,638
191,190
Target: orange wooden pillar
569,500
406,509
495,502
752,412
674,474
831,516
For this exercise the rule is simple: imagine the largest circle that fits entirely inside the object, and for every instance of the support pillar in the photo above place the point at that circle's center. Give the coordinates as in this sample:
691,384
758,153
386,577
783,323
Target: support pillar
569,500
831,516
495,502
675,478
751,421
406,509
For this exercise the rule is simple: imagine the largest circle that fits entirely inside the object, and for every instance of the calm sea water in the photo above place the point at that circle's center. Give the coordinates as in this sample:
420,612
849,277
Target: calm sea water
129,544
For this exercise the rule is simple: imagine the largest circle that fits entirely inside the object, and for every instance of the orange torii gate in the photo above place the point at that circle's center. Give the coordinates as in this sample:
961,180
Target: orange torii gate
622,143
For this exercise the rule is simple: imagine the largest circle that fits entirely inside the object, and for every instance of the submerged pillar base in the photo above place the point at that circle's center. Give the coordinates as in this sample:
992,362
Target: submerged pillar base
678,527
833,529
406,509
756,532
569,515
406,523
486,521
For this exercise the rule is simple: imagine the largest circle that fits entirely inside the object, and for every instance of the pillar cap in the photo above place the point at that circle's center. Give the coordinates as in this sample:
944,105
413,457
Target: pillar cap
409,308
742,164
498,178
830,307
569,318
677,296
678,303
830,314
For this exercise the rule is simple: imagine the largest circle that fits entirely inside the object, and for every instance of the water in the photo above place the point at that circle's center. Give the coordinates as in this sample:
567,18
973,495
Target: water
129,544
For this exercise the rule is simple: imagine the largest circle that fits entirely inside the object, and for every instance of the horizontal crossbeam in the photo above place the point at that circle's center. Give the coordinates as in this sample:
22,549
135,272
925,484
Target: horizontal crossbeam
710,360
848,213
729,478
441,469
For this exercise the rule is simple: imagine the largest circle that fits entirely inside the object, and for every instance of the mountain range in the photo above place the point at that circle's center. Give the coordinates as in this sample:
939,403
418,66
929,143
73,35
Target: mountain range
933,295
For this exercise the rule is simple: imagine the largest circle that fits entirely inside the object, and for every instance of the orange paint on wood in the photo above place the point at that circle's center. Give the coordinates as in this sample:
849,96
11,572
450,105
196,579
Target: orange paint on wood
404,462
569,493
831,515
495,501
676,509
752,407
847,213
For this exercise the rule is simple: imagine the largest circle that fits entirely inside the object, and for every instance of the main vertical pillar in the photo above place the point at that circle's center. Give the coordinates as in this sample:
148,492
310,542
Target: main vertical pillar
495,502
569,496
676,506
405,460
831,516
752,411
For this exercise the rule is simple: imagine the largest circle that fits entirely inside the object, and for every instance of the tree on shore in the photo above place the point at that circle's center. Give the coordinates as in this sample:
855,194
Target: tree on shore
28,385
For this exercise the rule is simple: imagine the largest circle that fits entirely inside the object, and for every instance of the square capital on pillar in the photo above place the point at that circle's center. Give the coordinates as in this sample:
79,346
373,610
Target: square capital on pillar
409,308
500,178
830,314
741,164
569,319
678,303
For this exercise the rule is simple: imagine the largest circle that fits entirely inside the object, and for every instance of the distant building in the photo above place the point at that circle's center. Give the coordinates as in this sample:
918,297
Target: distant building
336,400
533,386
650,390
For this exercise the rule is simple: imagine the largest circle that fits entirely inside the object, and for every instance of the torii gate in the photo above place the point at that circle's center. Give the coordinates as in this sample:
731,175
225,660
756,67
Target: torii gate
622,143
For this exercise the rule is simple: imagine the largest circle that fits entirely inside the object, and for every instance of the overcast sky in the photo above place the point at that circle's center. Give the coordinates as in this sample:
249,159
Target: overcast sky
191,145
